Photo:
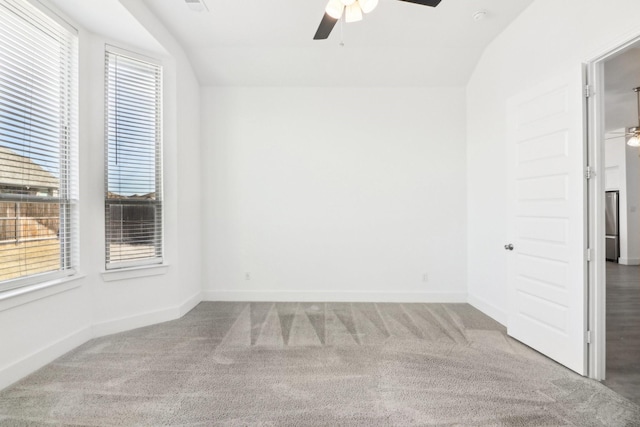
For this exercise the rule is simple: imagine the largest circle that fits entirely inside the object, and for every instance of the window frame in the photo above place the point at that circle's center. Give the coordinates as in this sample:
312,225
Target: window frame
158,260
67,198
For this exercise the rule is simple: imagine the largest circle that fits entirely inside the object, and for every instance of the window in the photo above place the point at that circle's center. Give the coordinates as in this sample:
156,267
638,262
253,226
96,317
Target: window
38,80
133,184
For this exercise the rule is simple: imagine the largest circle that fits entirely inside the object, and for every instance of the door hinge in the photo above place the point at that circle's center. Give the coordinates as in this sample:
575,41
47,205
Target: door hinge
588,172
588,337
588,254
587,91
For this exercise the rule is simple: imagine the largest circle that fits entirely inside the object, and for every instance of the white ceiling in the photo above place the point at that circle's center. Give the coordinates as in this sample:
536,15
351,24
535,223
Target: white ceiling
99,16
270,43
622,74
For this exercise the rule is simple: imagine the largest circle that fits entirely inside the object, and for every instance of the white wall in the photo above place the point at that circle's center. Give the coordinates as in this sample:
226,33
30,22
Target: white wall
546,38
632,155
615,158
615,162
334,194
182,161
38,327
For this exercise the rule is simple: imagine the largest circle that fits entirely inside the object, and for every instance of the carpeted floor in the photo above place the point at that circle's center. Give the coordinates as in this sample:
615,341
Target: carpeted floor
241,364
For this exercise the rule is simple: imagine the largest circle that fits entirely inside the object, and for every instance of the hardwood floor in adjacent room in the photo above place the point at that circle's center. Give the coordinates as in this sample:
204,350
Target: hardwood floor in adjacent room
623,330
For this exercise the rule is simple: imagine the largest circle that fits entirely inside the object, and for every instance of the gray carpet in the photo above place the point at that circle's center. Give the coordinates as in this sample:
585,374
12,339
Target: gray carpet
266,364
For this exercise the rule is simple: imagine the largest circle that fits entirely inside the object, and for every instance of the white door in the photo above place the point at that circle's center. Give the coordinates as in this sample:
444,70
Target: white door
547,264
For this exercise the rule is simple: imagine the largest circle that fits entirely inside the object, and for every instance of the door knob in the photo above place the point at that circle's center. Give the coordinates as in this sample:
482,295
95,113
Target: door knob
509,247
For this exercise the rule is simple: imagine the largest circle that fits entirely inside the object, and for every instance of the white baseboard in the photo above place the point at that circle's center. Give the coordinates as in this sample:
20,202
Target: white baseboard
629,261
132,322
452,297
36,360
146,319
489,309
189,304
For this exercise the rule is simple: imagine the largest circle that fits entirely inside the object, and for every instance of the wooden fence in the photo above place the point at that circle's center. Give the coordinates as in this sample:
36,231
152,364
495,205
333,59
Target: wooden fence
22,221
133,224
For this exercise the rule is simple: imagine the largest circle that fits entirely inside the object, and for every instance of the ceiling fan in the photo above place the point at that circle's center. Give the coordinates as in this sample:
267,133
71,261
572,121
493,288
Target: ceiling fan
352,10
633,133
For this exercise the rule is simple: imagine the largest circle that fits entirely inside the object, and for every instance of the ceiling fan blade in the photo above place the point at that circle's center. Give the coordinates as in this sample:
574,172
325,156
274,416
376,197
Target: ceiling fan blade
617,137
614,134
326,25
432,3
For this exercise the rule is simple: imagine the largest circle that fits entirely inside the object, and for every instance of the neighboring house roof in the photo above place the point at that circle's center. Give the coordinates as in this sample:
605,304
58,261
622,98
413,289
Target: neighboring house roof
148,196
21,171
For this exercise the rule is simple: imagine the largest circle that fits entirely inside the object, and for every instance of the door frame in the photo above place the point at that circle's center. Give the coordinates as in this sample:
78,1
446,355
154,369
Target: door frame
596,204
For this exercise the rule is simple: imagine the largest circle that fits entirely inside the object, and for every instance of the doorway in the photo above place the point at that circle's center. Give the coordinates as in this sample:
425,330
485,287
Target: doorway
614,221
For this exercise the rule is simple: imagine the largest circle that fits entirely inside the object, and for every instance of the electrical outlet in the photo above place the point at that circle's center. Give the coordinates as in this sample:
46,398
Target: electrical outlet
247,276
425,277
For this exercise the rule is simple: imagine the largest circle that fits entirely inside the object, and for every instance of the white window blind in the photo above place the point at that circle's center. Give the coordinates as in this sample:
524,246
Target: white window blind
38,139
133,182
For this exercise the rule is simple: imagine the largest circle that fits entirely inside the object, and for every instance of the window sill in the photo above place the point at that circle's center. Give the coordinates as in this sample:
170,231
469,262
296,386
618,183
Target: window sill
134,272
26,294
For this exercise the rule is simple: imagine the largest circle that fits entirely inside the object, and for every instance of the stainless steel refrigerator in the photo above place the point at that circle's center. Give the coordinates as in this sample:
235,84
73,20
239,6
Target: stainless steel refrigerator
612,227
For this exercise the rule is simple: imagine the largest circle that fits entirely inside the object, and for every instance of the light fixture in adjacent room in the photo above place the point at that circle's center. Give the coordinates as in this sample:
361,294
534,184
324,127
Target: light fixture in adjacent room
634,132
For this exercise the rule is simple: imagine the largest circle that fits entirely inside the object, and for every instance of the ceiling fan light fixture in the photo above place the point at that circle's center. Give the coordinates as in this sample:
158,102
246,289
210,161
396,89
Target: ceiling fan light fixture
634,141
368,5
334,9
353,13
